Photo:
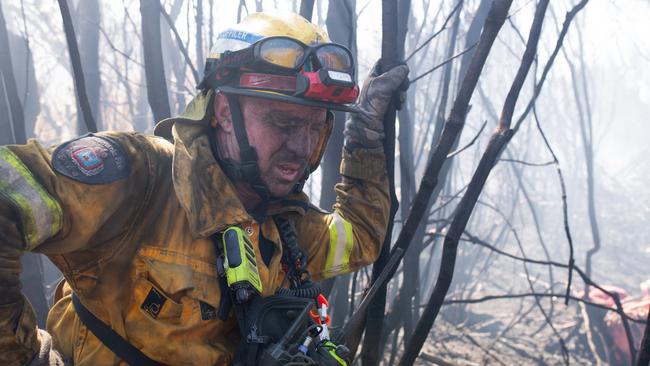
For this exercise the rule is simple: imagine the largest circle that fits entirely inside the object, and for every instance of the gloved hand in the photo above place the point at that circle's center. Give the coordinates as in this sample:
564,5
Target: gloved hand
366,128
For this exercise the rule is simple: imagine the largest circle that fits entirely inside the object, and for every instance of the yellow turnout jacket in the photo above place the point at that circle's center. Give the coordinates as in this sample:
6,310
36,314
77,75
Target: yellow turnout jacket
127,218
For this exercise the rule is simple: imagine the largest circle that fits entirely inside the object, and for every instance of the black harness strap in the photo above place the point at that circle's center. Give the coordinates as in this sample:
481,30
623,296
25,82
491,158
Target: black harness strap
122,348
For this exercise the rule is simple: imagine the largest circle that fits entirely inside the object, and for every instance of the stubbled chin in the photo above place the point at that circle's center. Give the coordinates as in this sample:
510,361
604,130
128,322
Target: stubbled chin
282,183
281,190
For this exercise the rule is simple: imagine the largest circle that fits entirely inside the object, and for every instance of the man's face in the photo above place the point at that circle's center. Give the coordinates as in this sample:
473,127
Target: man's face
284,136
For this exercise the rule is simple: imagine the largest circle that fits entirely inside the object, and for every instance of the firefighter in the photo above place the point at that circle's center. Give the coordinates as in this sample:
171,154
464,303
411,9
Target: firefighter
130,219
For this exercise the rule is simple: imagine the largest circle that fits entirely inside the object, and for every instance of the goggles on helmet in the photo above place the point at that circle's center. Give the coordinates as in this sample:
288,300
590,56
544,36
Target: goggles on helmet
323,72
284,54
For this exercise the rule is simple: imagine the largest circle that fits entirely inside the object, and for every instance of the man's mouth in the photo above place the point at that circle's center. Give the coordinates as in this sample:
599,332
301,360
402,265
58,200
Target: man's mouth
289,171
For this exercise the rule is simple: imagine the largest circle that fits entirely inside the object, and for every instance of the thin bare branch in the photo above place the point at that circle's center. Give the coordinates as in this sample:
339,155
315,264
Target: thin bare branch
526,162
434,35
181,45
454,153
443,63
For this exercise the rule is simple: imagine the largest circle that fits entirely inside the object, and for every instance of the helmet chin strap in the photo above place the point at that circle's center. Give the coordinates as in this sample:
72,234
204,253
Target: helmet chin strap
246,170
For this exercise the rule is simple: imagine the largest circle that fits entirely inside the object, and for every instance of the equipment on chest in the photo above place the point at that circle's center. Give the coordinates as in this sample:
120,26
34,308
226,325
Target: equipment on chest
283,328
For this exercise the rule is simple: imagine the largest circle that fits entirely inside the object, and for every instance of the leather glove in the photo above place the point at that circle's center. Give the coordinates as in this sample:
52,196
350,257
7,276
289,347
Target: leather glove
366,127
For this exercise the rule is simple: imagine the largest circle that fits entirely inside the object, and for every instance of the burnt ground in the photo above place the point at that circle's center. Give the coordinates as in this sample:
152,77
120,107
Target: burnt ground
516,336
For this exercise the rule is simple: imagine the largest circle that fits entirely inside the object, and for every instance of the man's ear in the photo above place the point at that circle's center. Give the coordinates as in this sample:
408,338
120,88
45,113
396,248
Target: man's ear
221,116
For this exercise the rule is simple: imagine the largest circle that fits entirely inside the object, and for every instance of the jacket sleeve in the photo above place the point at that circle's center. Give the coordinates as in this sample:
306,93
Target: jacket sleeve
352,235
58,201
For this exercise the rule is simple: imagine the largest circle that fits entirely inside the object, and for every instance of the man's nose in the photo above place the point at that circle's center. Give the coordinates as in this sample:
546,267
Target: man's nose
300,142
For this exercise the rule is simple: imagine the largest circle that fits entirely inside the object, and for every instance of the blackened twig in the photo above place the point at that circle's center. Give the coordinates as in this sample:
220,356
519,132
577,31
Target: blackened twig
458,151
526,162
181,45
434,35
75,60
644,351
443,63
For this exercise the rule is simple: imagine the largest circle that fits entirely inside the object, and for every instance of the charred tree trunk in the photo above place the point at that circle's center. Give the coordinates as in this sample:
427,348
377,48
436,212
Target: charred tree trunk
171,53
89,23
307,9
5,117
240,9
644,351
389,59
341,25
26,87
199,35
9,80
410,279
153,62
77,69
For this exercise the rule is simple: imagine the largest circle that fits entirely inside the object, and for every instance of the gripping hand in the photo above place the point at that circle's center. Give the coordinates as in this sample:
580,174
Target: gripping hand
366,127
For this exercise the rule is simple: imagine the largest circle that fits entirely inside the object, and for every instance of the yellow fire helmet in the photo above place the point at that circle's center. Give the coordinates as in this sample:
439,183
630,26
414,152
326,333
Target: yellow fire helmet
267,24
282,56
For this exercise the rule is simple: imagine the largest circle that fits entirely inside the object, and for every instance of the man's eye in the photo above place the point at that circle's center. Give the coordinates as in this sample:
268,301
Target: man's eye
283,124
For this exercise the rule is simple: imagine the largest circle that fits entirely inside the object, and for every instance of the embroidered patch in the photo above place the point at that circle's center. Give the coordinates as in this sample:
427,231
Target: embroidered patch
153,303
92,159
88,161
208,312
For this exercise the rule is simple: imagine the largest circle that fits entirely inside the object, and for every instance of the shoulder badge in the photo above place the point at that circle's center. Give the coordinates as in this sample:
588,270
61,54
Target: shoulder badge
92,159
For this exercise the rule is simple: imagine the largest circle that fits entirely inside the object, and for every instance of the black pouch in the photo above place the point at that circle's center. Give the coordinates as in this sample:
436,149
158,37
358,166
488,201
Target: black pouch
273,324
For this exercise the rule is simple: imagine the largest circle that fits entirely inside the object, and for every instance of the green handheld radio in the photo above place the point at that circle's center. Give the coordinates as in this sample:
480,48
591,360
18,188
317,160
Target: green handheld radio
240,265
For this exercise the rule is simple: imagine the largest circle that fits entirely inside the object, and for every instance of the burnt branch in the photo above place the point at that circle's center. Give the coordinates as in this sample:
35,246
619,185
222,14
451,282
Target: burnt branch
376,307
154,70
307,9
434,35
443,63
181,45
644,351
526,162
77,70
469,144
7,74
